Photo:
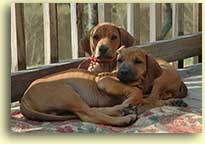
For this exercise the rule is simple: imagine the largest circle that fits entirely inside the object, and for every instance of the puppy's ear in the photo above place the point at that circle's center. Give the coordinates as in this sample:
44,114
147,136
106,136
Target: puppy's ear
85,44
126,38
153,69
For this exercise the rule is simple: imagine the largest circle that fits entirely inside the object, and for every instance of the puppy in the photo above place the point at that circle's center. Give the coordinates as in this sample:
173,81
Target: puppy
153,76
102,43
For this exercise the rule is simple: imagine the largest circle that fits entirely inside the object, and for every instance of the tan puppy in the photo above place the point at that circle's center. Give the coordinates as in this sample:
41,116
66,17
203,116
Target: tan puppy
102,43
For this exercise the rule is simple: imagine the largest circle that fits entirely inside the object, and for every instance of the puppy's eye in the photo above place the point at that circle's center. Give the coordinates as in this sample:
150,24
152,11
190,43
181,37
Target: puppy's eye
96,37
137,61
113,37
119,60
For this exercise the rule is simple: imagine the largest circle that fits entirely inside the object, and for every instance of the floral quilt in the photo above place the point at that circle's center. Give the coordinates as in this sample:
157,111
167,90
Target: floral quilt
158,120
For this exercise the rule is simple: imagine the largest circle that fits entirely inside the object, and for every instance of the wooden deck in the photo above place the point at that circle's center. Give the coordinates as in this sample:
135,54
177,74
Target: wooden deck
193,80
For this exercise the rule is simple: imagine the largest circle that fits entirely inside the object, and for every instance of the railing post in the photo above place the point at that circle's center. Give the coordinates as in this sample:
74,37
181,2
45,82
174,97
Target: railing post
133,20
14,58
104,12
155,21
197,25
46,27
178,24
80,30
20,37
50,33
92,15
76,28
53,32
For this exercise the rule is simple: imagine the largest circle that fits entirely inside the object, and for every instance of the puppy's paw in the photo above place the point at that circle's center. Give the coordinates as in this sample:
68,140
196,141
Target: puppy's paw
126,120
129,109
178,103
132,118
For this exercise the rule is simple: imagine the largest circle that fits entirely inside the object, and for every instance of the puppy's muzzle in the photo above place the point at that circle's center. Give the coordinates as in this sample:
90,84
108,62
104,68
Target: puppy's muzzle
103,52
125,73
103,49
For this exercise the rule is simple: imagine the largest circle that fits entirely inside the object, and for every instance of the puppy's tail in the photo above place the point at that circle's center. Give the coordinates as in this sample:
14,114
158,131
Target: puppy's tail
35,115
182,90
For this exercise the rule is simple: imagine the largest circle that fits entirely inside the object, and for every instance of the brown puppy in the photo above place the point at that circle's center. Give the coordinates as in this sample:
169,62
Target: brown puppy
102,43
154,76
92,97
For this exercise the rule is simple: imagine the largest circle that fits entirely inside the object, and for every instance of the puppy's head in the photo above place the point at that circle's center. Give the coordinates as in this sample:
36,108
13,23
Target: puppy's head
135,65
104,40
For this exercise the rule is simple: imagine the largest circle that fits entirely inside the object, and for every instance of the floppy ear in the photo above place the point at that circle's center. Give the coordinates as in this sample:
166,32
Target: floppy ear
153,69
126,38
85,44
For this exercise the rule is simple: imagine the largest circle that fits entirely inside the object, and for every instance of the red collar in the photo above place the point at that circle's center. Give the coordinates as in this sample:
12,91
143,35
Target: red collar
96,60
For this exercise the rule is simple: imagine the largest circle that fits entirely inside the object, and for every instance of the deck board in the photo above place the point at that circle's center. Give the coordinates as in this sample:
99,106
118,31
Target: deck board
193,80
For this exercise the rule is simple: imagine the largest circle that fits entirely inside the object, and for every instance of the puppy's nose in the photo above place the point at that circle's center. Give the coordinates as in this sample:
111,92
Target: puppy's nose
103,49
124,72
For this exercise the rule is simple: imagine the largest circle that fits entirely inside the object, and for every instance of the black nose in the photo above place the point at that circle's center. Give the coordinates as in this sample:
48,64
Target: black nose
103,49
124,72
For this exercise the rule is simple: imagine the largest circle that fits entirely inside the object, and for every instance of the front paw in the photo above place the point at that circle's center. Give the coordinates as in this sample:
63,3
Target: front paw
178,103
128,109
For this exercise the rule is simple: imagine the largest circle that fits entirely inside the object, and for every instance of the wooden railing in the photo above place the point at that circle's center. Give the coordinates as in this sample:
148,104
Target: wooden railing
104,14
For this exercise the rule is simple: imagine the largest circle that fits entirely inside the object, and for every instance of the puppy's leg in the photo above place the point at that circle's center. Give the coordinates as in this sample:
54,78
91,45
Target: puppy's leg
144,106
115,88
118,110
75,103
175,102
96,116
159,86
127,108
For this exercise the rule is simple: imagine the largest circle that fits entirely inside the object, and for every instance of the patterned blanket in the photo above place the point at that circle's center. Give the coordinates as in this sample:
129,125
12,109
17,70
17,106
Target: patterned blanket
164,119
